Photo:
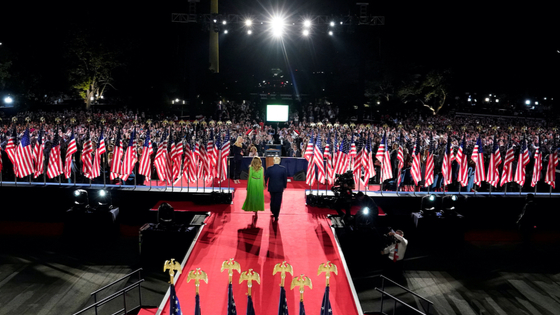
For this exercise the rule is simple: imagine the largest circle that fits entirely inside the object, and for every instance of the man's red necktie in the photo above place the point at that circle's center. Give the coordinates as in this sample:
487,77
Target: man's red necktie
395,255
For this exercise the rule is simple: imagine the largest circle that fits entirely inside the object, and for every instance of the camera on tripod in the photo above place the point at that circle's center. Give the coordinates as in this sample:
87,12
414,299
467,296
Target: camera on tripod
389,239
343,185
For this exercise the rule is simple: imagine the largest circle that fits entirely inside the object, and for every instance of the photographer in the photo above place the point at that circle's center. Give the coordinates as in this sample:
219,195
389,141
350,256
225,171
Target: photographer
395,251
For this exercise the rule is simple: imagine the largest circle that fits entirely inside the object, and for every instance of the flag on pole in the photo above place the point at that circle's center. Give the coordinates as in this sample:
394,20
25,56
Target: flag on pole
224,154
203,160
329,173
283,302
197,305
508,165
478,157
250,308
522,162
400,158
95,170
11,150
493,177
212,155
357,162
55,161
309,155
366,156
24,156
550,177
161,159
429,170
318,160
177,158
462,159
174,305
415,169
301,308
326,303
116,164
190,164
87,150
231,309
446,171
384,158
147,151
537,166
130,157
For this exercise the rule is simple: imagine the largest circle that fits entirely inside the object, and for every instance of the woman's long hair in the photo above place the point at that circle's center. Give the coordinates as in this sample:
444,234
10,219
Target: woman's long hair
256,163
239,142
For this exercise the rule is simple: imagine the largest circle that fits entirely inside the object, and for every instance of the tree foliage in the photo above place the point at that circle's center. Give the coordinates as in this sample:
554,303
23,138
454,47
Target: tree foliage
4,73
430,89
92,61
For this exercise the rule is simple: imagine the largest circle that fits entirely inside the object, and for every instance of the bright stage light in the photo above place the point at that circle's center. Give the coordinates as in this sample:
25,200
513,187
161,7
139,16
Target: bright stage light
307,23
277,26
248,22
330,33
249,32
331,24
226,31
8,100
224,22
365,211
305,32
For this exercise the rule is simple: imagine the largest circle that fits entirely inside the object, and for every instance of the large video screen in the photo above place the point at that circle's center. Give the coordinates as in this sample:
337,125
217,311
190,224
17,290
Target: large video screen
277,113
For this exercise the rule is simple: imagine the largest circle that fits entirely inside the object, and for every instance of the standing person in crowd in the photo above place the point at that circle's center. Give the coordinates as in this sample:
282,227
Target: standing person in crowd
255,187
294,151
253,151
276,179
237,150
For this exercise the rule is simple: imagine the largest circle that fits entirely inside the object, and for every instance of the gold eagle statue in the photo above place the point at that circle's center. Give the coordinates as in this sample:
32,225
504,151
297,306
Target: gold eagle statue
173,266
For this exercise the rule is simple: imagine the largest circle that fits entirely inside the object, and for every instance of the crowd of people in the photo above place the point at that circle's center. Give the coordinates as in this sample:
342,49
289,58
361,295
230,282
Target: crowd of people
244,125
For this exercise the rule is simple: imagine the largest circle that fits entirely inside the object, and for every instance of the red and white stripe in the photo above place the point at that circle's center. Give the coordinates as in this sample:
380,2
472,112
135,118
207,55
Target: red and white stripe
144,167
522,162
415,169
550,177
70,150
87,162
493,177
429,172
537,167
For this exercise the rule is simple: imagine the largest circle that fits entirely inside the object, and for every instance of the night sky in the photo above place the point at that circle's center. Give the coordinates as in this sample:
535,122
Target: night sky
508,49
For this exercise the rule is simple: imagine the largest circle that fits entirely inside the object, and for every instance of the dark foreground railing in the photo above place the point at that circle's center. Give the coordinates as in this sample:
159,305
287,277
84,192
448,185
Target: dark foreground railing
429,304
120,293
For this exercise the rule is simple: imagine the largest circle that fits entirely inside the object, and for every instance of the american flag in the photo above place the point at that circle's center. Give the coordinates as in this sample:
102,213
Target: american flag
462,160
383,156
326,303
116,164
353,151
203,169
231,308
342,157
328,155
11,150
212,154
87,150
145,167
415,169
446,164
250,308
493,177
550,177
191,164
370,165
478,157
95,170
400,158
537,166
197,306
176,158
174,305
160,161
70,150
318,160
357,162
24,156
308,155
130,157
283,303
224,154
301,308
507,171
429,172
366,163
55,161
521,164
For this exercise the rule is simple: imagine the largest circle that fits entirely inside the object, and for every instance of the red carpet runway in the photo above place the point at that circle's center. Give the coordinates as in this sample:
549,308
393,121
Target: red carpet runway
302,237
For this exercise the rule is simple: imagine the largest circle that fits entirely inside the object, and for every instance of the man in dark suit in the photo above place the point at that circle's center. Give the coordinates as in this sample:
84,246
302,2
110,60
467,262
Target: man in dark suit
276,179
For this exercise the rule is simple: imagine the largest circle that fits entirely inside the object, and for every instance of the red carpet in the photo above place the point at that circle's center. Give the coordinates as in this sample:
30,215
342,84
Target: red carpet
302,237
